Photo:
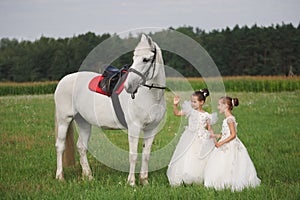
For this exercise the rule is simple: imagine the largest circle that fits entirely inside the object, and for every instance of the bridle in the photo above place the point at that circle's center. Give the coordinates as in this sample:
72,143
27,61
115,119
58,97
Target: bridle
143,76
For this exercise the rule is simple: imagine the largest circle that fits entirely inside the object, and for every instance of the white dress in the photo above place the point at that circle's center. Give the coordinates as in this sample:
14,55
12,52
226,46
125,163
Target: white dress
191,153
230,165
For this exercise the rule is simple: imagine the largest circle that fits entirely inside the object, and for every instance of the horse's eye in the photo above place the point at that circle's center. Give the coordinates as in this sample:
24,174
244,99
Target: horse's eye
145,60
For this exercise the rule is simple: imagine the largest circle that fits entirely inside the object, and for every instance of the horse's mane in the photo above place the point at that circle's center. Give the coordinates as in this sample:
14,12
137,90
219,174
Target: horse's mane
159,58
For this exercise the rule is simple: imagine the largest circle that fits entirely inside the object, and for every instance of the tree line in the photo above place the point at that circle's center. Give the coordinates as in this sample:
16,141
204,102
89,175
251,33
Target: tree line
273,50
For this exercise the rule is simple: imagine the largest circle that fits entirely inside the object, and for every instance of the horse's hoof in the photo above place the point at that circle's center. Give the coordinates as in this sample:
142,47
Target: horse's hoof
90,177
60,177
131,183
131,179
144,181
87,177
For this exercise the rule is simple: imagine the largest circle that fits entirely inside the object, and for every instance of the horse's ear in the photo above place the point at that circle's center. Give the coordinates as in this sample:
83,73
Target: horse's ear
149,40
146,38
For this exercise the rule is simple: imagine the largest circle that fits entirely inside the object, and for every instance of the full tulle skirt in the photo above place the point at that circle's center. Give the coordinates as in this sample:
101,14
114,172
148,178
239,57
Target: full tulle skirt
231,167
189,159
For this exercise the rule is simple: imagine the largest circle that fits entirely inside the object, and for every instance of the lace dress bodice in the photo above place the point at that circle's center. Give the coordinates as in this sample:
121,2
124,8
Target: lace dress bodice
235,143
225,128
197,121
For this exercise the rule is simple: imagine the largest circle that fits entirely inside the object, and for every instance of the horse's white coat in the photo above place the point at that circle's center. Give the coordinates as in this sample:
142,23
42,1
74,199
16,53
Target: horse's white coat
73,100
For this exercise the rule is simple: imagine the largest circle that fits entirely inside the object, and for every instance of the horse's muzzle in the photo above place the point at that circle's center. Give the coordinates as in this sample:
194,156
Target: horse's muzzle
133,82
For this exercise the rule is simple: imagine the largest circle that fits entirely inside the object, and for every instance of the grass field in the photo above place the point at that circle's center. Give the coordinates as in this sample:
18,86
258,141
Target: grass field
268,126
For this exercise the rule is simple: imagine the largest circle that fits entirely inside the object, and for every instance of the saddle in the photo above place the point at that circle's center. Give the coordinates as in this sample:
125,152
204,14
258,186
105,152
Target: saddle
112,80
111,84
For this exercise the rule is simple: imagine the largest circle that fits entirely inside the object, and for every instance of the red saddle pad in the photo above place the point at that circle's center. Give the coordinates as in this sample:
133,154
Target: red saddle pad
94,86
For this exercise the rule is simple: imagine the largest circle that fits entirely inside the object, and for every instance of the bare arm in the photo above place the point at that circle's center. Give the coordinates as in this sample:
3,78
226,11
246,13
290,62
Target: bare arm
209,127
231,137
175,107
212,134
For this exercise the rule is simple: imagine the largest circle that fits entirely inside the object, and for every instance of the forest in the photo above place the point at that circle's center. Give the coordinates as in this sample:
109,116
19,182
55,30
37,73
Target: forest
239,51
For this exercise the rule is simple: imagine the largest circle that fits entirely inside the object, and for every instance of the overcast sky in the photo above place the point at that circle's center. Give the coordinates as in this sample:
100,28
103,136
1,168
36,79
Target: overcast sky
29,19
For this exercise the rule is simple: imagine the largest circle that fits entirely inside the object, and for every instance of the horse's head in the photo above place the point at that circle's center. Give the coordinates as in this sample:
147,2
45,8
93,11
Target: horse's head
143,67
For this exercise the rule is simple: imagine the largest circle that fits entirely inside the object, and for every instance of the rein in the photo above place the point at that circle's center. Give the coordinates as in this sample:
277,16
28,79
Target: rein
153,86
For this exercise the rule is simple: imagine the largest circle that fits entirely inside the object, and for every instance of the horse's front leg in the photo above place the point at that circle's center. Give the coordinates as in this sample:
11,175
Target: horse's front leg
133,155
148,140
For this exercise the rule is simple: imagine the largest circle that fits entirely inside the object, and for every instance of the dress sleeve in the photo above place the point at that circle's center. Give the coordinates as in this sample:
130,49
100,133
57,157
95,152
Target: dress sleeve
187,108
212,118
231,119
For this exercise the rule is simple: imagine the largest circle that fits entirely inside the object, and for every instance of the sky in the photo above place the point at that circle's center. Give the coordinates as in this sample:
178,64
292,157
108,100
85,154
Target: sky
31,19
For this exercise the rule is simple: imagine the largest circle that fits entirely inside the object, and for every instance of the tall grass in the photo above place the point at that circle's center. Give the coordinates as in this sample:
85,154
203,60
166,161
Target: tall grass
262,84
268,126
232,84
27,88
253,84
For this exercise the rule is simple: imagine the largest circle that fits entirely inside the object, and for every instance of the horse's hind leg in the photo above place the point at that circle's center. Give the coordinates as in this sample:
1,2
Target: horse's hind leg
62,128
82,144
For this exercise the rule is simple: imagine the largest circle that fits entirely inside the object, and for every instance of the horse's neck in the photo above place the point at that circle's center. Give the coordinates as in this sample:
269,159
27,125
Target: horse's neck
160,79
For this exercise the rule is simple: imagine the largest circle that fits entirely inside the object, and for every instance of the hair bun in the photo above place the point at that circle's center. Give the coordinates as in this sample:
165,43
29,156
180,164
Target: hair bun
205,92
235,102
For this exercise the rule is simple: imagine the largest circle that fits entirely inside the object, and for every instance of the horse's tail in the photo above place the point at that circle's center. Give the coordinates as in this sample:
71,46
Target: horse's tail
69,153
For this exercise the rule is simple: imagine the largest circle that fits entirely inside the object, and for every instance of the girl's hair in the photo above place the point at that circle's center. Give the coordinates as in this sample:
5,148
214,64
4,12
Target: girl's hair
201,94
231,102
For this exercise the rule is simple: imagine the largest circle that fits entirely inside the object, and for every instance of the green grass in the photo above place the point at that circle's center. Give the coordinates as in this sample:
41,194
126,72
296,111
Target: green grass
268,126
28,88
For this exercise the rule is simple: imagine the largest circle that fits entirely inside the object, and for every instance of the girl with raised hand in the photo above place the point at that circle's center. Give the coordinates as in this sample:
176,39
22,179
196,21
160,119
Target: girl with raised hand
191,153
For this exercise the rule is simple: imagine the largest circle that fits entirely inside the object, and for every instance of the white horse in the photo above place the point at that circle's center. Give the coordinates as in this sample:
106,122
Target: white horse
143,104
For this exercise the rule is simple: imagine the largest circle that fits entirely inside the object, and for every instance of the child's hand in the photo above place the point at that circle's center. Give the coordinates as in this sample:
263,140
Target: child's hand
176,100
217,144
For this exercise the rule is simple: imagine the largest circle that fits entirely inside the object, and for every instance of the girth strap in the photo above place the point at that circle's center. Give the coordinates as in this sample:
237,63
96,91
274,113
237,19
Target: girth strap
116,102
